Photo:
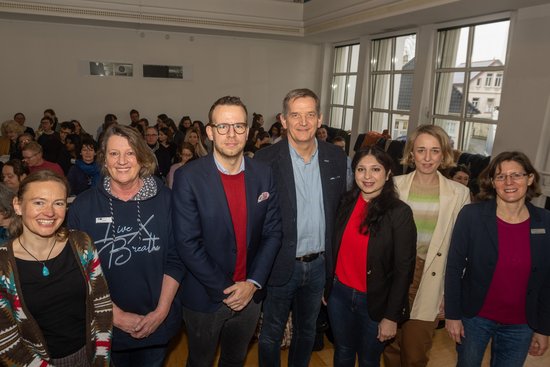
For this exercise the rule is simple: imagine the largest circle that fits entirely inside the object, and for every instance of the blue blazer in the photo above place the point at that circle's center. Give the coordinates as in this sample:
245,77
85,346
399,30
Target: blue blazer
472,260
204,232
333,168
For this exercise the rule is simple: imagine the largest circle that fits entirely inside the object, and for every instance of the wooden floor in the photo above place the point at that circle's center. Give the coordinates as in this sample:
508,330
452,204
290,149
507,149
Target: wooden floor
442,355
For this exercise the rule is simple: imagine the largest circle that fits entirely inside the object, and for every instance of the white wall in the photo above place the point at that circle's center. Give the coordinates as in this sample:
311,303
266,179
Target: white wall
41,67
526,86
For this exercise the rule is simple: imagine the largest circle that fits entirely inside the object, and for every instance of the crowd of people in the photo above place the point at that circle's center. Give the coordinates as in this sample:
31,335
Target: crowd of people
219,226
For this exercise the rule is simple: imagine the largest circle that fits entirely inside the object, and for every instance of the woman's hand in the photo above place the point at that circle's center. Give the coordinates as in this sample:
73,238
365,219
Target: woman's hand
455,330
149,323
125,321
386,330
539,345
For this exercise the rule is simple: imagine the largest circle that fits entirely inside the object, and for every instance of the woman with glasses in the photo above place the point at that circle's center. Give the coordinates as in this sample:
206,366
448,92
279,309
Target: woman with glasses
497,286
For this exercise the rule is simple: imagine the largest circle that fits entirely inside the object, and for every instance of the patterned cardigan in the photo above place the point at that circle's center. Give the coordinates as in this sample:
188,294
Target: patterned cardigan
22,342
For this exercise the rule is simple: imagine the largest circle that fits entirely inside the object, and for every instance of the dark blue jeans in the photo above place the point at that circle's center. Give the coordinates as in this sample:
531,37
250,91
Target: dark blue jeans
354,331
233,330
142,357
302,293
509,346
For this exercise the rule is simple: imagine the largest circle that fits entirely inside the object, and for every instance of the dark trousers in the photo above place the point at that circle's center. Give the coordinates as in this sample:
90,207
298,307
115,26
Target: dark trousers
141,357
355,333
303,294
232,329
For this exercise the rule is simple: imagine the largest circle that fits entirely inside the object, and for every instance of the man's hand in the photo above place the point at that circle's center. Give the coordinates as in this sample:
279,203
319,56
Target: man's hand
240,294
539,345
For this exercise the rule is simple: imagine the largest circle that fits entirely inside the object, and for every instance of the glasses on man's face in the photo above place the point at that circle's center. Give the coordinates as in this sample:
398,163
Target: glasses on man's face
238,127
26,159
515,176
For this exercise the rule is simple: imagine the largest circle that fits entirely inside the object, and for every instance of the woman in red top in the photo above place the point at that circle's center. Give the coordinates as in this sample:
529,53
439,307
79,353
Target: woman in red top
375,249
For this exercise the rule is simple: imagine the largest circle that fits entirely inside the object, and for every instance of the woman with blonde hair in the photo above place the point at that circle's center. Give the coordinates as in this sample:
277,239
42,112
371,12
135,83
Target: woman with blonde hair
193,136
55,309
128,215
11,129
435,202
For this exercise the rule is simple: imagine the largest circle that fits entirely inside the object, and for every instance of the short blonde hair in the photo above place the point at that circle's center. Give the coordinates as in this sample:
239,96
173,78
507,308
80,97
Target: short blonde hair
441,136
144,155
12,125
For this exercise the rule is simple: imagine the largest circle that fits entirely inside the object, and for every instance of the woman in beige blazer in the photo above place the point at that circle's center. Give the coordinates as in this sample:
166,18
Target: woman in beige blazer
435,201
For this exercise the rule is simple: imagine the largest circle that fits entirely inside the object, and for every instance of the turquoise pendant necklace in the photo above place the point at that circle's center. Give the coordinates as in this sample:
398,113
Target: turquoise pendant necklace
45,270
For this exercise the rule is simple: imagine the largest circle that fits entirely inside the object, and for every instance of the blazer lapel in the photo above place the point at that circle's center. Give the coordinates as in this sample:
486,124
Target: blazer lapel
287,173
251,198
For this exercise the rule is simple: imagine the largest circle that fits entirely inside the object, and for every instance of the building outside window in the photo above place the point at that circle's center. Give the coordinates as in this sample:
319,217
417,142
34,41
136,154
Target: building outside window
392,63
344,81
464,56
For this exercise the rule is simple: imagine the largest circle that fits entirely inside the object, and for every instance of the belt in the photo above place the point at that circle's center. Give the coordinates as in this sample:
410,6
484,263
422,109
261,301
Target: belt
309,258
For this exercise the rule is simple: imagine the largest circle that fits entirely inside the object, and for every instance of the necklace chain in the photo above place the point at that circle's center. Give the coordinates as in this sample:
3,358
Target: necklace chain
45,270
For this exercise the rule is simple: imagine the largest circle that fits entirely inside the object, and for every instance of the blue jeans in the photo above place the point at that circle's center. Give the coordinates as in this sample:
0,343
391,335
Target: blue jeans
302,293
141,357
509,347
232,329
355,333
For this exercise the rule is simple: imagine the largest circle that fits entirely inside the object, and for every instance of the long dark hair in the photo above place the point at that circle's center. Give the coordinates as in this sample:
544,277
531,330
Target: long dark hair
379,205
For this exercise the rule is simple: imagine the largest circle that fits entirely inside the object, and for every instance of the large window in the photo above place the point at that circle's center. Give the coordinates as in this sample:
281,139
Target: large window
344,80
392,64
469,71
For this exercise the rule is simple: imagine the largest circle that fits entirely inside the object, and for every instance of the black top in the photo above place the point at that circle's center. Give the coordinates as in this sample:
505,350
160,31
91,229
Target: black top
57,302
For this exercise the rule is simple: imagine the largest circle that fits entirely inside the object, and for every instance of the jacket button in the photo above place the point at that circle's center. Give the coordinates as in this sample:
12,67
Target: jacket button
534,269
433,273
368,272
439,254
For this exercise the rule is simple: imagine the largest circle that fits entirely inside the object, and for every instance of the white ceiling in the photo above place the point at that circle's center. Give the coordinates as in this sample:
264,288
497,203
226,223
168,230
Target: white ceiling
314,21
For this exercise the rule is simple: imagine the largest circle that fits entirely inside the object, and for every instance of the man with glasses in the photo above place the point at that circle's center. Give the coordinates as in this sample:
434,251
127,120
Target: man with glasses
32,157
228,231
311,176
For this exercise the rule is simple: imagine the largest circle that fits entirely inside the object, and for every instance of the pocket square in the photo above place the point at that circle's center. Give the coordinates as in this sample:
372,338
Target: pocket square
263,196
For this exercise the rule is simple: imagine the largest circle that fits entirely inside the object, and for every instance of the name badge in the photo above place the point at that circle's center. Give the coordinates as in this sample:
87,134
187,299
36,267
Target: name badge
538,231
104,220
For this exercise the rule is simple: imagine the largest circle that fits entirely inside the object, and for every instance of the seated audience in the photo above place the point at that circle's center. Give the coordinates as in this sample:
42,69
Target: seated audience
20,118
49,140
33,158
194,138
185,153
161,153
6,212
85,172
13,172
8,141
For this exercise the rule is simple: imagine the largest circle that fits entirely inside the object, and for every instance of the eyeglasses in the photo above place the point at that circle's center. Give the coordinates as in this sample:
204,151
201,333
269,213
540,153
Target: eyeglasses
515,176
238,127
25,159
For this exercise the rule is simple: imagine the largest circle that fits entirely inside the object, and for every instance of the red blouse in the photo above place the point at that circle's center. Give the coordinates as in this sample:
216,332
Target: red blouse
351,267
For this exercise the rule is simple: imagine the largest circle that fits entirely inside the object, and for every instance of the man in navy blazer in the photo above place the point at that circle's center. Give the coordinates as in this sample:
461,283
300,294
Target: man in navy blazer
227,228
311,177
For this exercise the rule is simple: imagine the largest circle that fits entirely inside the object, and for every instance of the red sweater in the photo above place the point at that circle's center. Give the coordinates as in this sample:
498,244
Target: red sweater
505,300
235,192
351,267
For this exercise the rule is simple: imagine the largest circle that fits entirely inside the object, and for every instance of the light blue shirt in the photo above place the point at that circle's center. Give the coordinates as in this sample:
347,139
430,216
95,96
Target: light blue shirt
226,172
310,209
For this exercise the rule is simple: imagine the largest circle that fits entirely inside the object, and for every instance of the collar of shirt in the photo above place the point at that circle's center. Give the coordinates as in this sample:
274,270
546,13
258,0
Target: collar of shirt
226,172
295,156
